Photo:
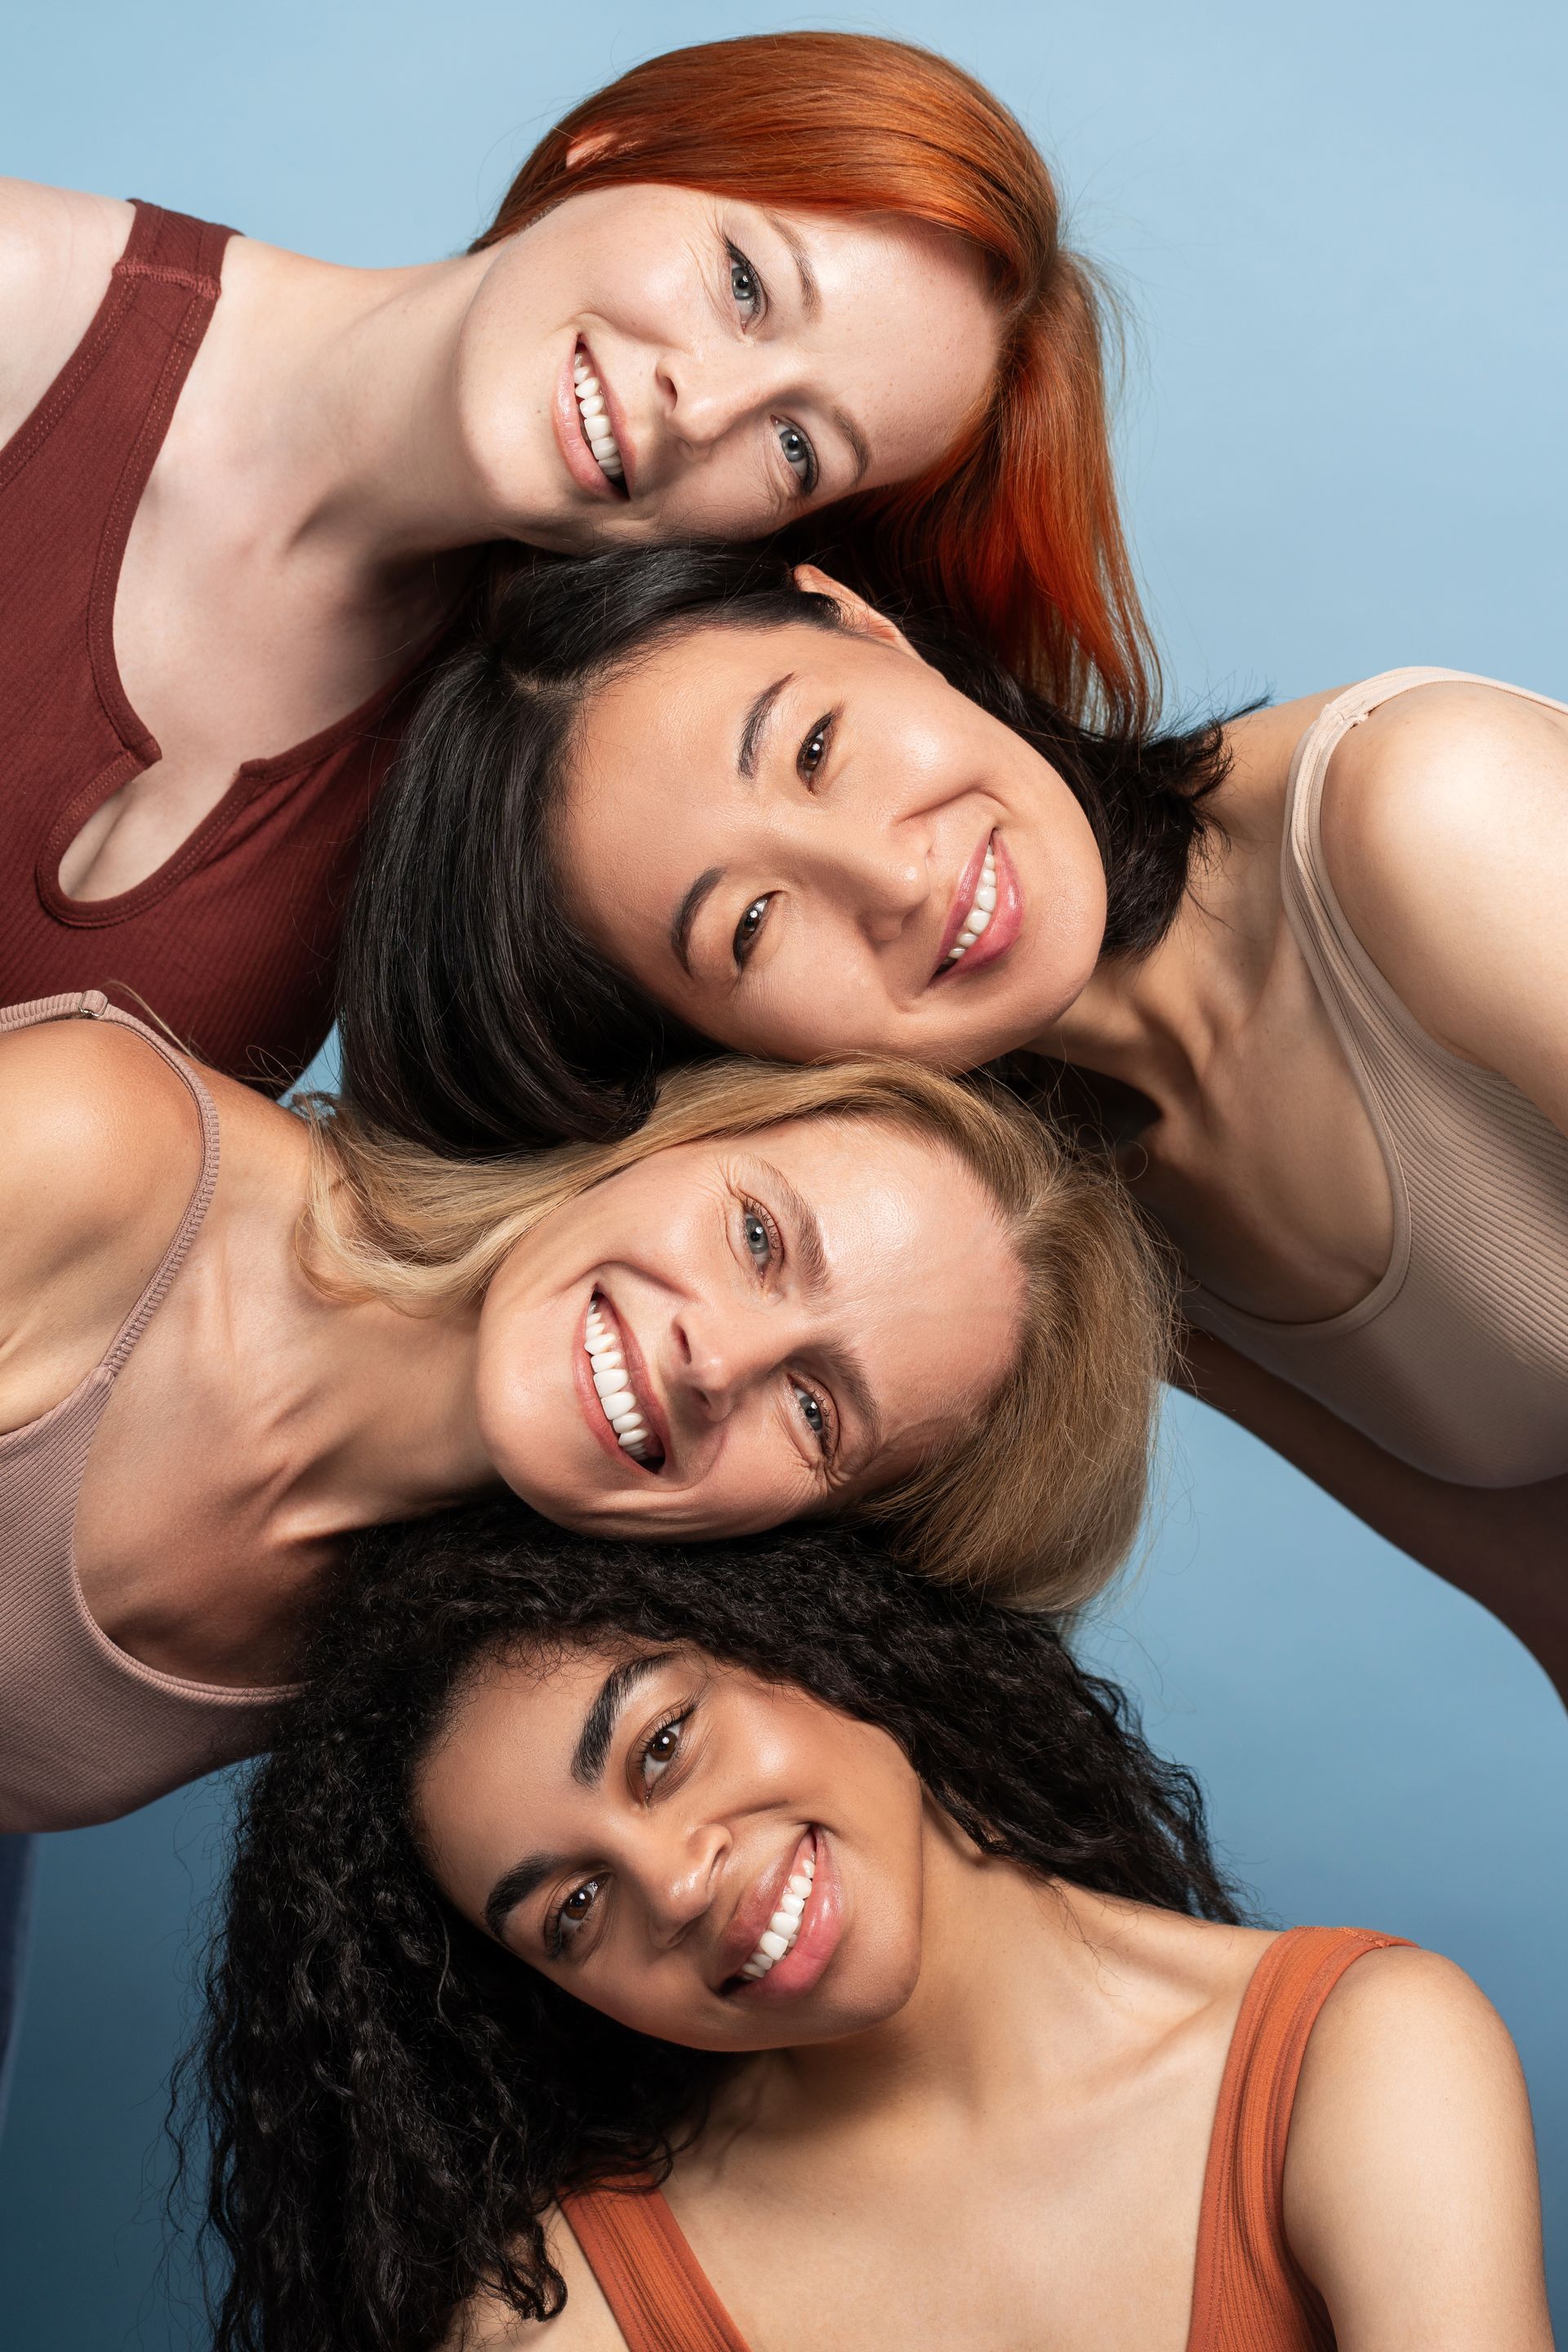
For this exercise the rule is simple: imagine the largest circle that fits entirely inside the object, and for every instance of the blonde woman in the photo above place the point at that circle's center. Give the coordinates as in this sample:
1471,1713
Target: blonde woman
859,1290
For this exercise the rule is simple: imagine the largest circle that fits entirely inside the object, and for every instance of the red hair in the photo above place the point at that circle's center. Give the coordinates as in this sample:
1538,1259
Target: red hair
1016,532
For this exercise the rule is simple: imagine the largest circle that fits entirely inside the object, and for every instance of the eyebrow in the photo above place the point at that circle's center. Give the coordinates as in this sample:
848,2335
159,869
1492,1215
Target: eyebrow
599,1723
811,304
755,723
588,1759
849,1372
810,292
686,914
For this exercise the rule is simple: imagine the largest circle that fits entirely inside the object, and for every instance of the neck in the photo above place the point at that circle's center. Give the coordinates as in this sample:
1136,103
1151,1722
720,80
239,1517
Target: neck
356,1412
328,401
1014,1997
1157,1023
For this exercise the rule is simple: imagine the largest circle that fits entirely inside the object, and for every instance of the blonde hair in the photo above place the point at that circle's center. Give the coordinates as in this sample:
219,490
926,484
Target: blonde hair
1037,1498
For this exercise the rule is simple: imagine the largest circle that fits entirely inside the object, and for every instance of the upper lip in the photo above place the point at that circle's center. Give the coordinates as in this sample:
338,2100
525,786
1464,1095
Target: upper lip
617,422
753,1911
637,1373
963,899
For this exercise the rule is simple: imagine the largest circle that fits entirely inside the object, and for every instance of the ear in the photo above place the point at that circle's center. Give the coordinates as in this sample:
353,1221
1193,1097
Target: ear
587,148
863,618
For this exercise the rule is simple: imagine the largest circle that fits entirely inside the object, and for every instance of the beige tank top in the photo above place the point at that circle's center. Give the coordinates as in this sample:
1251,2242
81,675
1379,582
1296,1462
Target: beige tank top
87,1733
1458,1360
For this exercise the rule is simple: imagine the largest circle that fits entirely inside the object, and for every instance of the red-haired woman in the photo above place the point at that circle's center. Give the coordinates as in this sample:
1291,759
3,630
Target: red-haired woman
809,283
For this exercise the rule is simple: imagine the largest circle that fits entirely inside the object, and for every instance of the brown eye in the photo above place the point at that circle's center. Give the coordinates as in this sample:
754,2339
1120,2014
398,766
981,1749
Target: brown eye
747,929
813,750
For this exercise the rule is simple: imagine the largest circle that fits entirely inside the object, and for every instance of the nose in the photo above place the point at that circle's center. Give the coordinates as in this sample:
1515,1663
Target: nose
683,1877
705,393
720,1353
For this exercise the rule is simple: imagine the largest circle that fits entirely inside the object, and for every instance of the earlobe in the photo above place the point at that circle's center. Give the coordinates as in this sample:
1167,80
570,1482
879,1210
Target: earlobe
863,618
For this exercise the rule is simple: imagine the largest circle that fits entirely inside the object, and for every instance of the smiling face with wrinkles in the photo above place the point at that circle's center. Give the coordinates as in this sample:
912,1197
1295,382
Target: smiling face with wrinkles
730,1334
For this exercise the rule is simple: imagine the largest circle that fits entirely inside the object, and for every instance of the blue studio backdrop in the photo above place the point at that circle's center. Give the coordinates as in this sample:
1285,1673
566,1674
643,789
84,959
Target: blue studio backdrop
1341,236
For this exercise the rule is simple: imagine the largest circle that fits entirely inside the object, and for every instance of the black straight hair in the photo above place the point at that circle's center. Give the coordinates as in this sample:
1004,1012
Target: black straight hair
475,1019
390,2103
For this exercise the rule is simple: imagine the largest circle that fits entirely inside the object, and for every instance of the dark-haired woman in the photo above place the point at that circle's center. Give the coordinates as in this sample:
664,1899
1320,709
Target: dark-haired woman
741,290
764,1956
1306,971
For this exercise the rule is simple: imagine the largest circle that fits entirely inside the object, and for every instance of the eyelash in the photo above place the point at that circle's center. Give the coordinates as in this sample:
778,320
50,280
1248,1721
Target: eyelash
825,1435
808,769
805,476
556,1937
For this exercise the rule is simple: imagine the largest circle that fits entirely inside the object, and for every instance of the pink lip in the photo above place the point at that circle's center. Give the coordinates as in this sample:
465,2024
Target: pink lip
1006,916
642,1388
819,1934
581,463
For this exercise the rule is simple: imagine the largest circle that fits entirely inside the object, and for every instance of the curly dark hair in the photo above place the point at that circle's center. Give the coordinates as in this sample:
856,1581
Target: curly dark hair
391,2102
475,1018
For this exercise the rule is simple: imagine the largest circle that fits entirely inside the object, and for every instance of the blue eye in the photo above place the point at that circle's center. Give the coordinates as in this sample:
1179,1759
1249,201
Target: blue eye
744,284
812,1415
797,452
759,1240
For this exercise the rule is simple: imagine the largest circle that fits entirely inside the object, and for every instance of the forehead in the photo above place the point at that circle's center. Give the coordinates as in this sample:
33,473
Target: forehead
910,1236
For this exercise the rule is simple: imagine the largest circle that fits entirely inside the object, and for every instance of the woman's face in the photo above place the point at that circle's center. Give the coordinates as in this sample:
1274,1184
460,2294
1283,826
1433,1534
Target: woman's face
634,1823
750,365
733,1333
784,835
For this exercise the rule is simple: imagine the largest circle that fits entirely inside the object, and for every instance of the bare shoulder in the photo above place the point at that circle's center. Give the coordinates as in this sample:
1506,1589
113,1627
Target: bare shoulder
102,1151
56,250
1411,2189
1445,829
584,2325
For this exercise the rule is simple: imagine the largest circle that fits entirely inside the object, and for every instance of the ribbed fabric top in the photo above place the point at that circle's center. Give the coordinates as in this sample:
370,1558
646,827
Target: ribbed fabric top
87,1733
1248,2293
233,941
1456,1361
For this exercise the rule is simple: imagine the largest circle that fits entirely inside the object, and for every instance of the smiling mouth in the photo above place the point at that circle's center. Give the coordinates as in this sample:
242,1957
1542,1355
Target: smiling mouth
630,1418
779,1938
594,416
987,912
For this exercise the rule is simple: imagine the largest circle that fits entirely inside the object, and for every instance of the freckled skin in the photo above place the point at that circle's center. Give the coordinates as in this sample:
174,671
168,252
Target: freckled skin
921,1286
859,861
904,341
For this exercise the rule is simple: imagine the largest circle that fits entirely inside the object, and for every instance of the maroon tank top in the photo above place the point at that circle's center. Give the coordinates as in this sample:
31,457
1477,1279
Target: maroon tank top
232,942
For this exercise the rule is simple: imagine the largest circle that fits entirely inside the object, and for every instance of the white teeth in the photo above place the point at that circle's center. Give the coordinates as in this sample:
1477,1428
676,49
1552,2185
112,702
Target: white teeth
978,920
778,1936
612,1385
595,419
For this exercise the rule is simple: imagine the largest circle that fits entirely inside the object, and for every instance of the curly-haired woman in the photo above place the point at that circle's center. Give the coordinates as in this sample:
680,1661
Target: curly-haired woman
759,1952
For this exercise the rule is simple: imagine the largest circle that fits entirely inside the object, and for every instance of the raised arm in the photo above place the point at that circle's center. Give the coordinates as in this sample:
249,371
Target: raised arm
56,250
102,1152
1445,825
1411,2197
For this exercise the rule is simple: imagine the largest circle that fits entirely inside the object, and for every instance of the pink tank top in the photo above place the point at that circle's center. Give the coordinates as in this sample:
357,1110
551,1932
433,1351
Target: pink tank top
87,1733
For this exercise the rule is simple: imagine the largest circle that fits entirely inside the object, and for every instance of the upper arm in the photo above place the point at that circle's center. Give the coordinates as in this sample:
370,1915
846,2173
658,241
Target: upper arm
1445,826
57,251
101,1152
1411,2197
585,2324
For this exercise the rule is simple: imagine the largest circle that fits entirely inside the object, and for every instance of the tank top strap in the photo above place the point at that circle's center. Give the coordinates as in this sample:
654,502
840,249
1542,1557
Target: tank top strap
1248,2294
134,359
91,1005
654,2286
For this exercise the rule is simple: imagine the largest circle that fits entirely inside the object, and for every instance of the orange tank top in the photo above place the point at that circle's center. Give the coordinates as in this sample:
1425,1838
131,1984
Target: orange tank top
1248,2294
